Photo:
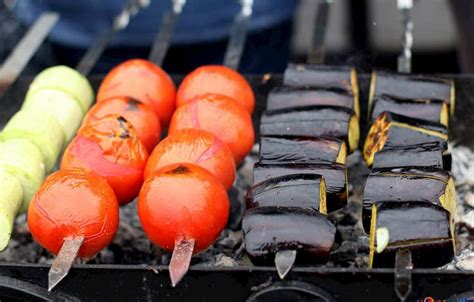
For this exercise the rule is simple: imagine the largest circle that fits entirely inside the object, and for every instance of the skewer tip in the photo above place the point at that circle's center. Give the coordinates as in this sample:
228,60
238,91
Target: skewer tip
180,260
63,262
284,261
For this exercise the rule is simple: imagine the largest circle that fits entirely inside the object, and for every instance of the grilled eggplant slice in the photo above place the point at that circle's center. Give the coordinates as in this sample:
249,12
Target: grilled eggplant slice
290,97
422,155
392,130
412,87
288,149
428,185
315,121
268,230
305,191
423,228
335,176
428,110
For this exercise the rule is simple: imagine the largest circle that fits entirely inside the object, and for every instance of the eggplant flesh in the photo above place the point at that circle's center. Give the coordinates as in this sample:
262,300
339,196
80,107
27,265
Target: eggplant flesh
422,155
335,176
290,97
306,191
425,229
287,149
428,110
426,185
268,230
392,130
412,87
315,121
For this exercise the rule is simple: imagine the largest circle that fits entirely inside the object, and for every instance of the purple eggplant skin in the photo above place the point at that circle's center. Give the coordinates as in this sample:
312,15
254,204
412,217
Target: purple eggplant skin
428,110
268,230
289,191
335,176
423,228
288,149
291,97
422,155
314,121
402,184
319,76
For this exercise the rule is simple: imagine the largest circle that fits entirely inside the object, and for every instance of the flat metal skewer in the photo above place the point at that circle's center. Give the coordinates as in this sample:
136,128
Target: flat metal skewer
121,21
63,262
316,53
25,49
284,261
404,60
163,38
238,34
181,258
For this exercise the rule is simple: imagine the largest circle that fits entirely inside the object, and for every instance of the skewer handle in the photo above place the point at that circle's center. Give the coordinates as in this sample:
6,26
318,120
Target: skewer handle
317,52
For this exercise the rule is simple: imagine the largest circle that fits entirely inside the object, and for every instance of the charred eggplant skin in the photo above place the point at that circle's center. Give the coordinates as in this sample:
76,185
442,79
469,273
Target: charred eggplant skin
399,185
291,97
299,75
335,176
422,155
288,149
289,191
268,230
412,87
423,228
428,110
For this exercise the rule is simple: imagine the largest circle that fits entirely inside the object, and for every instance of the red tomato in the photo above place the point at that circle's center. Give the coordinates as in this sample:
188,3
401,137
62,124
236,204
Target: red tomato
140,115
216,79
220,115
183,201
143,81
197,147
74,203
110,147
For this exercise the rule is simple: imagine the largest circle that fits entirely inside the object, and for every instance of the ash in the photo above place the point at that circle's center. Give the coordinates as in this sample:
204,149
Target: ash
131,246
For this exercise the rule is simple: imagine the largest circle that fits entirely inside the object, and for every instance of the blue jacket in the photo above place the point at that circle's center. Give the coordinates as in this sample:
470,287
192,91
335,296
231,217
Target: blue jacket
201,20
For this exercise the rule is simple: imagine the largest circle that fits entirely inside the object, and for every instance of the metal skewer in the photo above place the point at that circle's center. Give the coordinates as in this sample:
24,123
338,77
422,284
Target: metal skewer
181,258
404,60
163,38
236,44
25,49
63,262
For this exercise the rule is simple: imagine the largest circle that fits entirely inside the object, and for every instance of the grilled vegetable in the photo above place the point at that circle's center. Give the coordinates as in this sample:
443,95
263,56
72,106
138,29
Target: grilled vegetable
393,130
315,121
429,110
268,230
305,191
290,97
423,228
422,155
335,176
287,149
412,87
429,185
10,203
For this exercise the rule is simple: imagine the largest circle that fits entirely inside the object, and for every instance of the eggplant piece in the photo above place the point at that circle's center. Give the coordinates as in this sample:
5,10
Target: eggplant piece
288,149
305,191
428,110
423,228
315,121
428,185
290,97
268,230
391,130
335,176
412,87
422,155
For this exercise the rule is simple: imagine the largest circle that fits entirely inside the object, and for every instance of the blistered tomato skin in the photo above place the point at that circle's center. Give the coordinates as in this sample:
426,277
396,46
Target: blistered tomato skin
110,147
140,115
74,203
221,116
143,81
216,79
197,147
183,201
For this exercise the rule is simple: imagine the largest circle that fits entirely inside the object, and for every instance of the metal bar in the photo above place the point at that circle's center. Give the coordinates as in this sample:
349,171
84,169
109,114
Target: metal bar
238,34
25,49
317,50
94,52
404,60
163,38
